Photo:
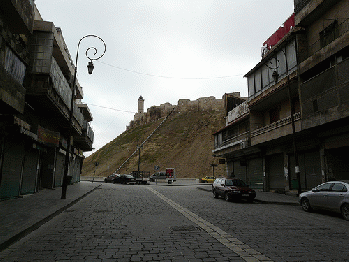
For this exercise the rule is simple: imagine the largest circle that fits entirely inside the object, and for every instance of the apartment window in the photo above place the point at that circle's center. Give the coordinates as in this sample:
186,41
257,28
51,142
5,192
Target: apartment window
329,34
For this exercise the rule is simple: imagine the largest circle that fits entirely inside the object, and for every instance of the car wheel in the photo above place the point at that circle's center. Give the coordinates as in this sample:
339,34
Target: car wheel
250,199
306,205
345,211
226,197
215,195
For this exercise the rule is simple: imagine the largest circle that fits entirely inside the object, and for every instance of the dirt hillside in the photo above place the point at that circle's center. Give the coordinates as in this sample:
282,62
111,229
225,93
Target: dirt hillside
184,141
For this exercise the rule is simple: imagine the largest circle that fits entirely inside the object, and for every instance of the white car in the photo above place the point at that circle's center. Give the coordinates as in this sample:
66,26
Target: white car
333,196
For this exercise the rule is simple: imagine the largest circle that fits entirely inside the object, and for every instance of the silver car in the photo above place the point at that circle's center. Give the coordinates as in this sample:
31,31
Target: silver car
333,196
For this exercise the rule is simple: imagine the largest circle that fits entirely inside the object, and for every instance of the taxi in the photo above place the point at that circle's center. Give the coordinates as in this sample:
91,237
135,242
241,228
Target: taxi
208,179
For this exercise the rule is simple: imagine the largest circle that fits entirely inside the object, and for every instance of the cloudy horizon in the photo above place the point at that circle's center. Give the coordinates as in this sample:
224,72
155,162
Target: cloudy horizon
162,50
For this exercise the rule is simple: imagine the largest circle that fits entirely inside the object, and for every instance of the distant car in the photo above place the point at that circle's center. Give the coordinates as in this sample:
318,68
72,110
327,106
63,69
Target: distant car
158,176
208,179
232,189
110,179
125,179
333,196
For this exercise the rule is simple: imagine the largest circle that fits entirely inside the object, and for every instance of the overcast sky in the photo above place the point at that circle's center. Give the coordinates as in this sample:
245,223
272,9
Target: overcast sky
164,50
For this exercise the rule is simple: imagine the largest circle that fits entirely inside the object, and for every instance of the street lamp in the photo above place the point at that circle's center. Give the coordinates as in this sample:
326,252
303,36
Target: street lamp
90,68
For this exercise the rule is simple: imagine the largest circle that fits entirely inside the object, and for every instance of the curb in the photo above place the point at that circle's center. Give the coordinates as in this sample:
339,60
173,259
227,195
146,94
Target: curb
276,202
38,224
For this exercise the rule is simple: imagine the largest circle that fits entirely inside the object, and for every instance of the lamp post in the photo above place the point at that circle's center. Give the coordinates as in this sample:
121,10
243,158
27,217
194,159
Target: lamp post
90,68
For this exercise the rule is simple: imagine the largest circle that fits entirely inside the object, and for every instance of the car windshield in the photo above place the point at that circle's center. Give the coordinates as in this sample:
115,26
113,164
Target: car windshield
235,182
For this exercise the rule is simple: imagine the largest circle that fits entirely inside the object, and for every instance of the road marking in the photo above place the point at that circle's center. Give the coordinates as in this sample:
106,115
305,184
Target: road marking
235,245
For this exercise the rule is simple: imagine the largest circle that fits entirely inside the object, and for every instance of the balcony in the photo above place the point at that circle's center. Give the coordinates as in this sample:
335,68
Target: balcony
84,109
47,41
237,113
230,144
275,130
85,140
12,92
51,93
307,11
325,97
21,15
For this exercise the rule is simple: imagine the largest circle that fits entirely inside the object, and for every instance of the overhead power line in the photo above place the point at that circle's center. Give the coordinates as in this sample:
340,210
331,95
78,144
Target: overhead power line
169,77
113,109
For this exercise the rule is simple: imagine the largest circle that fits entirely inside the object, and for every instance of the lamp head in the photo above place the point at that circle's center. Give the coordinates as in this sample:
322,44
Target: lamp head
90,67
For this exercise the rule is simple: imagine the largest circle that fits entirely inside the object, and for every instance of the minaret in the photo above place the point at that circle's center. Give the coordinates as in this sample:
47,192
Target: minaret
140,105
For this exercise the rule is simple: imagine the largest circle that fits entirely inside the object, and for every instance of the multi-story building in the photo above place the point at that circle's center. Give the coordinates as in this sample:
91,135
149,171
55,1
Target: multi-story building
266,118
298,104
35,96
324,87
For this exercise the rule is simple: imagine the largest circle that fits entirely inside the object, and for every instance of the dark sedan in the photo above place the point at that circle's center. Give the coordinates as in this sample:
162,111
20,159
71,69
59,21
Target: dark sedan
232,189
125,179
111,178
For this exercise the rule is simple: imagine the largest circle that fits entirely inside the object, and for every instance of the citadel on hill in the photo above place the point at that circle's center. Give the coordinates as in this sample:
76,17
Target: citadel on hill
201,104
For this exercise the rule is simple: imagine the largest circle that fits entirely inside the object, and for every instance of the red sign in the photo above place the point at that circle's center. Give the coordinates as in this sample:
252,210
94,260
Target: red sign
280,33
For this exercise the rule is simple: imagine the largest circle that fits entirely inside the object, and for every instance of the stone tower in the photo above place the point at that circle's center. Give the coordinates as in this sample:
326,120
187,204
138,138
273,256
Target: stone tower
140,105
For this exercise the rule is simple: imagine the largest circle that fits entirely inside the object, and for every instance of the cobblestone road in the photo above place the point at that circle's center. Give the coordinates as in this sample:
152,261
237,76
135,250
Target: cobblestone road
282,233
169,223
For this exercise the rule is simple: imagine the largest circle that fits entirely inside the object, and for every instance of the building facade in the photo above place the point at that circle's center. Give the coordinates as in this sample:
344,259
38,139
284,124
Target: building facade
35,93
298,104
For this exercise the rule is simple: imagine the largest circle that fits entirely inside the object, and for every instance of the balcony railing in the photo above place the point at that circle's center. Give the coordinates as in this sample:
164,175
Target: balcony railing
14,66
275,125
237,112
60,83
89,132
241,139
62,87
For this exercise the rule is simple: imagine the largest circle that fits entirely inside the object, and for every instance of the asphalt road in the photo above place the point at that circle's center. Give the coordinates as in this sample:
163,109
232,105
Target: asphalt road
181,223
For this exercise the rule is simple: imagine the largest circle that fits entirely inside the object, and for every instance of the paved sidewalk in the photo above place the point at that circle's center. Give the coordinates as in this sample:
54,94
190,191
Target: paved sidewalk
23,215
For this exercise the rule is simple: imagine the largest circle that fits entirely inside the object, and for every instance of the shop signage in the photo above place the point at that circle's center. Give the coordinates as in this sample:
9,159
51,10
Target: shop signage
48,137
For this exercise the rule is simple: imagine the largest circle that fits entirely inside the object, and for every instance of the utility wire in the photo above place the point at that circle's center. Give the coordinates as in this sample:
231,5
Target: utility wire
169,77
144,142
112,108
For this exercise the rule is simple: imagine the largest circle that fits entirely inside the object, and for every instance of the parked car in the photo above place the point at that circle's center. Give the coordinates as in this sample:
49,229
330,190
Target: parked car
232,189
110,179
125,179
208,179
333,196
158,176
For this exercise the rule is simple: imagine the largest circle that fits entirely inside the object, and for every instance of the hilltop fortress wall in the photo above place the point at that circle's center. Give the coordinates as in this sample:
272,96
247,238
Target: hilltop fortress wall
156,112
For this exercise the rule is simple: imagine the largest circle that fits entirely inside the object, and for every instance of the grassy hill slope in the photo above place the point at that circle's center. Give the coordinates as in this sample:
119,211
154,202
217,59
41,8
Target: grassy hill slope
184,142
